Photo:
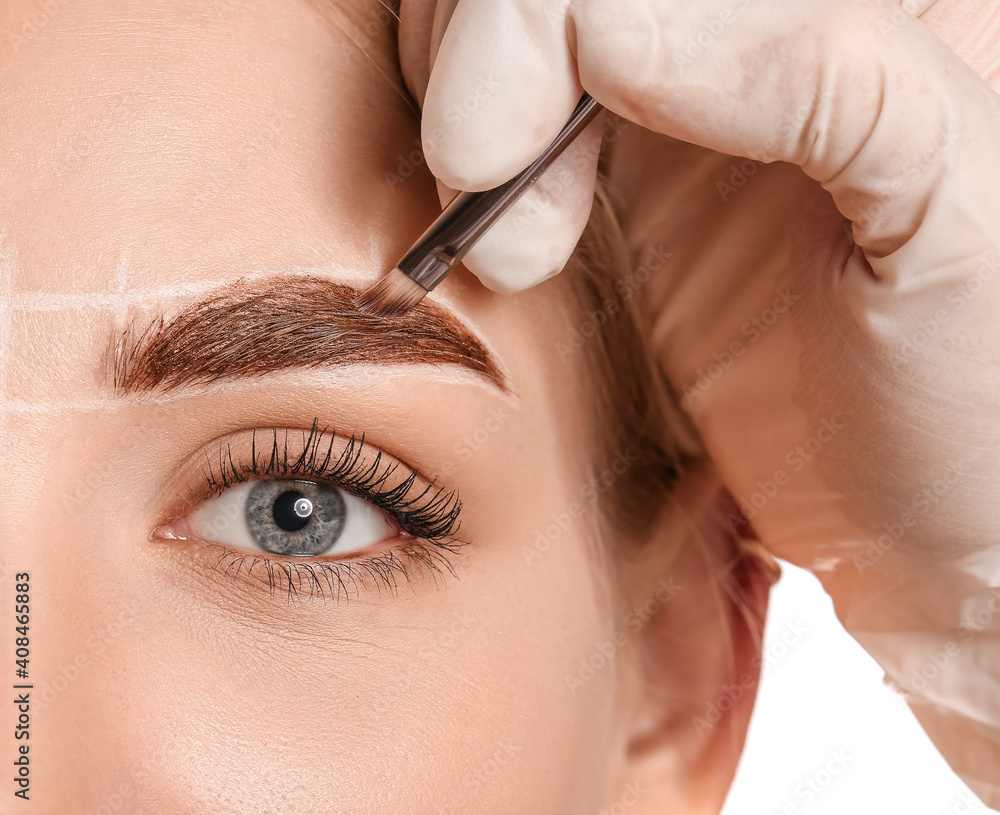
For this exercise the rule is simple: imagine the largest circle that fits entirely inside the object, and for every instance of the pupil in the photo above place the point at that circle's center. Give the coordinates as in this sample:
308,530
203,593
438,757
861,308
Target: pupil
292,510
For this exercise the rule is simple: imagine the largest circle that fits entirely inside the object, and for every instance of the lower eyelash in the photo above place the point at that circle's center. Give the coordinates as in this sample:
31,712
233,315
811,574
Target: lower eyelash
335,579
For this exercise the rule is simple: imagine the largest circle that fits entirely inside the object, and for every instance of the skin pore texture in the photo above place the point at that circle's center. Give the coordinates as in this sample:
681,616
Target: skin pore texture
162,162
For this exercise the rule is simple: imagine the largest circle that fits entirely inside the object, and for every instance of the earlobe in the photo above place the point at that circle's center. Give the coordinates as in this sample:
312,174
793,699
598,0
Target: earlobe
698,665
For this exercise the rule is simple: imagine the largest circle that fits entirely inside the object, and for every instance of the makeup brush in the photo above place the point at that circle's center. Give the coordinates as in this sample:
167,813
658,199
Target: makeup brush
463,222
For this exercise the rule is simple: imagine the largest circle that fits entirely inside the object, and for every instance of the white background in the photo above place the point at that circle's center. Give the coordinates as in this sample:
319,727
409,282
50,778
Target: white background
821,697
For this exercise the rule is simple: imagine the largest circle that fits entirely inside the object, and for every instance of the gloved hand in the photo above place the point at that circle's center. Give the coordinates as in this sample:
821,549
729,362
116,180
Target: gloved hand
848,392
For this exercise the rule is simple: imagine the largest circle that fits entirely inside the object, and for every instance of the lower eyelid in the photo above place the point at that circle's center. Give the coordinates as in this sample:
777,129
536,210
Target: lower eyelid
255,575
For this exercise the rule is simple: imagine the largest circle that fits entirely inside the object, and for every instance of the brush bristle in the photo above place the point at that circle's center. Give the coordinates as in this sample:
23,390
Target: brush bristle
393,296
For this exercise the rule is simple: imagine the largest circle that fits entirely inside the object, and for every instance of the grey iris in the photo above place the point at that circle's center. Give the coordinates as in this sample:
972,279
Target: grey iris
287,517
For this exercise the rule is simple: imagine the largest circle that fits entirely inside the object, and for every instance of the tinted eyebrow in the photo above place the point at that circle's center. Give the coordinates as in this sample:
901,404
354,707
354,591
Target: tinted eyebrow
287,322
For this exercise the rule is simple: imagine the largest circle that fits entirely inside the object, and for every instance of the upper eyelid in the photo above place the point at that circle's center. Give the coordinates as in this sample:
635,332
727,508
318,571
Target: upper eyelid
415,502
291,459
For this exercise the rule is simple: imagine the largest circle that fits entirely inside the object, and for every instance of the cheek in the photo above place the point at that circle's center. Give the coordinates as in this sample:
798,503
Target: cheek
465,700
467,697
516,728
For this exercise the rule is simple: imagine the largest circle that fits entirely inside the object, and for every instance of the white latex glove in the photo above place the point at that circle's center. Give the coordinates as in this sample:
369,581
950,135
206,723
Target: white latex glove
849,394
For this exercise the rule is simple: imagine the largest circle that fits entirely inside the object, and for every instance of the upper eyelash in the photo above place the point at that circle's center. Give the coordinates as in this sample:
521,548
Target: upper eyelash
431,515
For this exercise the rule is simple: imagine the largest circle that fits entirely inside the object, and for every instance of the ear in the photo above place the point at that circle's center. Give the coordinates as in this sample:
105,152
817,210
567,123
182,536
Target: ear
700,595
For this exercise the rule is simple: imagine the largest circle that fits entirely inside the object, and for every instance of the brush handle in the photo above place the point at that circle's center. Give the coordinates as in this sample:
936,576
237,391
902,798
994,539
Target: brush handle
469,214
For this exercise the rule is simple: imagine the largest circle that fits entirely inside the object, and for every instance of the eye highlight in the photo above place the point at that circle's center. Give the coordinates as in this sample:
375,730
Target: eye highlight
305,508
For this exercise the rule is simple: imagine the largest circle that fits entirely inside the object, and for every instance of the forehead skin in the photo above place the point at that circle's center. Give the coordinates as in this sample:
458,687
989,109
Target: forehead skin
212,131
151,151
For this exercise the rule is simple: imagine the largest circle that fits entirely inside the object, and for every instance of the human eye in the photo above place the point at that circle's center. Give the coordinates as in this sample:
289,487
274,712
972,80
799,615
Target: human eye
314,513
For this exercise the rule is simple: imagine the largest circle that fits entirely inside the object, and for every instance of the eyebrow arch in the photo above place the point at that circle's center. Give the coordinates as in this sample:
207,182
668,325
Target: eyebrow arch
252,330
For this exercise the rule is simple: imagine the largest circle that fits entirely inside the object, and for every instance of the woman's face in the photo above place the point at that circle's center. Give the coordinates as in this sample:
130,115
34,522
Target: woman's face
192,647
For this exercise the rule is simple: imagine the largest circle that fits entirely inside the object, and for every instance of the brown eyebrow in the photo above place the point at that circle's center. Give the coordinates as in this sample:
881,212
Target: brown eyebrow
299,322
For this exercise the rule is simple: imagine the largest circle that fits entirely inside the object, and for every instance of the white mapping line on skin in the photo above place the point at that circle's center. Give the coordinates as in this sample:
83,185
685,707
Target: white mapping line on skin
121,272
344,377
373,376
56,301
121,286
122,297
150,295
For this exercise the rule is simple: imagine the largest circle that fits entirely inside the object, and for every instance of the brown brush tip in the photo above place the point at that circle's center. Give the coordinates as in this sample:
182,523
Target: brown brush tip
393,296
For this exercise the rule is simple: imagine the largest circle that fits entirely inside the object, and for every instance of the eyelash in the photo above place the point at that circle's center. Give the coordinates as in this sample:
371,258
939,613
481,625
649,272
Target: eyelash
430,518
